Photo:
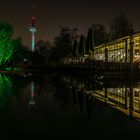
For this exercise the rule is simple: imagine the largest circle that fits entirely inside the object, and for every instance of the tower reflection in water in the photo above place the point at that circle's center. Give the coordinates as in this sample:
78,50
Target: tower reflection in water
125,98
32,99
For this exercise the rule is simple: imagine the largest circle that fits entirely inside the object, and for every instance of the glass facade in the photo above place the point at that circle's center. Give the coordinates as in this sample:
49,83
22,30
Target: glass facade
119,50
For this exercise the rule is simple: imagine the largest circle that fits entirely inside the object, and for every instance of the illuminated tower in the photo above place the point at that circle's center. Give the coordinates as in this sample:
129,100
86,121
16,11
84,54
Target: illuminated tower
33,29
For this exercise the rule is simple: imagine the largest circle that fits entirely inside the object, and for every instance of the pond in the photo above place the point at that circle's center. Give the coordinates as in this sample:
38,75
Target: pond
56,105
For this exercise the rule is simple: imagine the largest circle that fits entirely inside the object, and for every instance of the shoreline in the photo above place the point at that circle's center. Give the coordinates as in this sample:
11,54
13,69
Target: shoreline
82,72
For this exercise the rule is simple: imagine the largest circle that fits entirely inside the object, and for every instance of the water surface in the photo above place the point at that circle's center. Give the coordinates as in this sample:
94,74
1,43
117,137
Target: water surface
55,105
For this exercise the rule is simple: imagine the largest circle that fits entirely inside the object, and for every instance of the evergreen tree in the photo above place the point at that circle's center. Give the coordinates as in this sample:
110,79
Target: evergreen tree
82,46
90,42
75,49
63,44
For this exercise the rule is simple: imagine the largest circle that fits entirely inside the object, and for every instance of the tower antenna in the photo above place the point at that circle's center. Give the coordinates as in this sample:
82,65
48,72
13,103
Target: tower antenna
33,8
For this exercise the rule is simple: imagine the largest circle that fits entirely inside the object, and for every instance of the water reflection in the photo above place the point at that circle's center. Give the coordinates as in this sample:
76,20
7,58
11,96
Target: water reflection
32,101
71,93
6,91
10,89
43,102
123,97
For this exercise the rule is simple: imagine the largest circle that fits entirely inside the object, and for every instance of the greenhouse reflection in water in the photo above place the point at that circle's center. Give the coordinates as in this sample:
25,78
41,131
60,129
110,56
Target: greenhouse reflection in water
126,98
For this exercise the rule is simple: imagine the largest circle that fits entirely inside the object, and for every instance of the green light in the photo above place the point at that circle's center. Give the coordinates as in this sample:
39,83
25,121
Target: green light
17,69
12,68
7,45
6,90
6,51
8,69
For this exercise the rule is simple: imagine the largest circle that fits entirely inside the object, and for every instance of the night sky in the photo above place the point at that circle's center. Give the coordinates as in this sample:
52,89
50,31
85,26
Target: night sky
50,14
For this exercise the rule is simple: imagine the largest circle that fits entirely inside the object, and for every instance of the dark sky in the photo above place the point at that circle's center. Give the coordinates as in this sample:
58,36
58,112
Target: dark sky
51,14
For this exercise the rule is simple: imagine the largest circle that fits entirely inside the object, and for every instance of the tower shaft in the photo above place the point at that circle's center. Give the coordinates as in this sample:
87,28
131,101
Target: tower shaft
33,42
33,29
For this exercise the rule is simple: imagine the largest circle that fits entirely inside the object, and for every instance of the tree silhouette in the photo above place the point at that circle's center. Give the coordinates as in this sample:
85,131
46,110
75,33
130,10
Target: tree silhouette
99,34
90,42
63,44
120,26
75,48
6,31
42,47
82,46
20,51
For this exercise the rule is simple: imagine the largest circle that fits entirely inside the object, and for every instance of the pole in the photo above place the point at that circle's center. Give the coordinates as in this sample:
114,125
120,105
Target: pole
131,72
131,53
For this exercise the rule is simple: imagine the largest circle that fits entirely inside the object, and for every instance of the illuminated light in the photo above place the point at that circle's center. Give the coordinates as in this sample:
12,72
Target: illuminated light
25,59
119,90
12,68
17,69
32,102
137,90
8,69
33,21
137,43
7,50
33,30
6,90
